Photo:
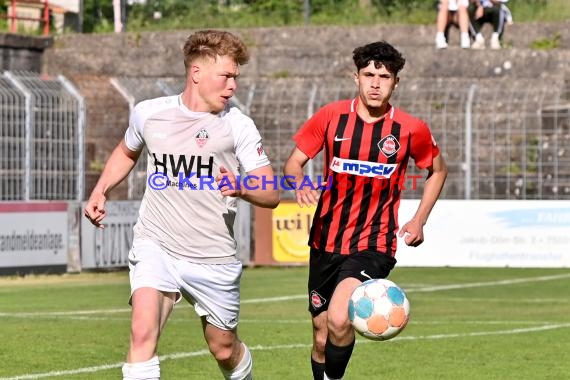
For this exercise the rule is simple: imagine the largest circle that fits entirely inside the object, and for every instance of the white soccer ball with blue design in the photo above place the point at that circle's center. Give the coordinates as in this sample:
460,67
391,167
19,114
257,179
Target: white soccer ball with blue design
378,309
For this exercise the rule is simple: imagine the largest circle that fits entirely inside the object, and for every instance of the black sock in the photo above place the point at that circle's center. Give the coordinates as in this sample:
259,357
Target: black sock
318,370
336,359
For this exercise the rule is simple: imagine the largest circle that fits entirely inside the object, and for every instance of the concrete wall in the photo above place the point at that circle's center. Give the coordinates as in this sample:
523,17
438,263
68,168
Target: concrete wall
312,51
24,53
288,57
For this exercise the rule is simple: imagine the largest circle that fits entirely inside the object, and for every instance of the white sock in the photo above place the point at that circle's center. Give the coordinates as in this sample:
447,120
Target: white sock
495,36
149,370
440,35
243,371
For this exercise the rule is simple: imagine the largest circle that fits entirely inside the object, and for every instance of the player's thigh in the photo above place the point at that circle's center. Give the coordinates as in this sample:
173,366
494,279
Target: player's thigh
323,272
150,310
338,309
213,290
151,267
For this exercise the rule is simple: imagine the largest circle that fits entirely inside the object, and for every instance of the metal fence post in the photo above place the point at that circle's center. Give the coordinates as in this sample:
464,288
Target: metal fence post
468,139
28,123
80,135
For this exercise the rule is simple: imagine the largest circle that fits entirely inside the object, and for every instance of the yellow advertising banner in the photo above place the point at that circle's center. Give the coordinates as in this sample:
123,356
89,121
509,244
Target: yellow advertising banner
290,232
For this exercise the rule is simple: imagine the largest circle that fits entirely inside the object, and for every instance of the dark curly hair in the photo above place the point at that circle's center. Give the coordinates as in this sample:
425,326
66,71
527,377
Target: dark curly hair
382,54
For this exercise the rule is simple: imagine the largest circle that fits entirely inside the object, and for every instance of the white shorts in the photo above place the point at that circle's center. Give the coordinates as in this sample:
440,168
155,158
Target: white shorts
213,289
453,5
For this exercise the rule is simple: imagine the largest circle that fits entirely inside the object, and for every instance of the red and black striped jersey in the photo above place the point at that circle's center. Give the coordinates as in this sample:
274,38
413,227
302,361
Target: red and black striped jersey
367,164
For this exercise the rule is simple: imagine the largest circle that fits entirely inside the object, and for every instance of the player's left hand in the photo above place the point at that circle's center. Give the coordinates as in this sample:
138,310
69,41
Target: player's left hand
227,183
413,233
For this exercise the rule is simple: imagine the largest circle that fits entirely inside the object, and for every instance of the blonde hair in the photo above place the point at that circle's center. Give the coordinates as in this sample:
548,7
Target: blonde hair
214,43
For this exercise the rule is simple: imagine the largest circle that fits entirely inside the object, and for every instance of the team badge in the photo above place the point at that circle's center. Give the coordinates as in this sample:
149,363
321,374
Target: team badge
201,137
317,300
389,145
259,149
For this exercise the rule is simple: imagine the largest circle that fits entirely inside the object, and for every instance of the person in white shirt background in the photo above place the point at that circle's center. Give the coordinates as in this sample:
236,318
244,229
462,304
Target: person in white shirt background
452,13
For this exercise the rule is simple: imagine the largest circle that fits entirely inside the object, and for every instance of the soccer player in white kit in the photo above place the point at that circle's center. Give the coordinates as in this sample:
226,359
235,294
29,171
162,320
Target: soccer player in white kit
183,240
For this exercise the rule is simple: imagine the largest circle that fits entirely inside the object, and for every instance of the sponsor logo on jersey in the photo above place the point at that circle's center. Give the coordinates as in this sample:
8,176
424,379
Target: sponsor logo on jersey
363,168
389,145
201,137
173,164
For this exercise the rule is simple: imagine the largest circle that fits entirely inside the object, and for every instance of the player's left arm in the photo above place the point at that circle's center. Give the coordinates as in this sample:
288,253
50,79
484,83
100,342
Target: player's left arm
259,187
414,229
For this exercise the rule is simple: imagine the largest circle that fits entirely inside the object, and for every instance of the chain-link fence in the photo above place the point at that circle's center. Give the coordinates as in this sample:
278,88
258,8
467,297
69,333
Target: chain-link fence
502,139
42,120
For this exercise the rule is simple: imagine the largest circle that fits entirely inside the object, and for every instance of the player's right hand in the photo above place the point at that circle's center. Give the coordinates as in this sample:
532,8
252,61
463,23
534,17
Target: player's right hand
307,196
95,210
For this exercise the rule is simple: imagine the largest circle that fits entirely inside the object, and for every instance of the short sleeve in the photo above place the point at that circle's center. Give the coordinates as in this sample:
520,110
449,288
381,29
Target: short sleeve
310,138
423,146
134,135
248,144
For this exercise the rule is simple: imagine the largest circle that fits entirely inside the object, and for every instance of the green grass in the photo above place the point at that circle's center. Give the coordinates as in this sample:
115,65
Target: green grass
272,13
465,324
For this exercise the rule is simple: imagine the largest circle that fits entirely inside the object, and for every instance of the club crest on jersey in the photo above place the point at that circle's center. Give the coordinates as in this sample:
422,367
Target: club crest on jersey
317,300
201,137
259,149
389,145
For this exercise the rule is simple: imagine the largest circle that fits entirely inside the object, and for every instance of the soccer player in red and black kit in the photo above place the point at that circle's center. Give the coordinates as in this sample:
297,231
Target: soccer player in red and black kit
367,144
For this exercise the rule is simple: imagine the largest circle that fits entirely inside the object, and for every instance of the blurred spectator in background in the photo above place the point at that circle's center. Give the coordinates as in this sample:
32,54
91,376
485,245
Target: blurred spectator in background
494,12
452,13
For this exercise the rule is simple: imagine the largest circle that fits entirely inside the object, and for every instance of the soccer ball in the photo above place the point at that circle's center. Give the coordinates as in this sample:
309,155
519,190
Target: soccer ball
378,309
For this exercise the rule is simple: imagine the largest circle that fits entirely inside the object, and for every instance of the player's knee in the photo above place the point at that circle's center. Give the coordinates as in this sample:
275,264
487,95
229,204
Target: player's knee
143,335
222,352
338,324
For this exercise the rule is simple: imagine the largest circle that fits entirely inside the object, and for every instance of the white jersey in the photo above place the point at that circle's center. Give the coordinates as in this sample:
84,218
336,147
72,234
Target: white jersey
182,210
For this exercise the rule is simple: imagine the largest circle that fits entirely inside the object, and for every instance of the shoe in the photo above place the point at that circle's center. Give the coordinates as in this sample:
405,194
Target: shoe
495,43
465,41
440,42
479,43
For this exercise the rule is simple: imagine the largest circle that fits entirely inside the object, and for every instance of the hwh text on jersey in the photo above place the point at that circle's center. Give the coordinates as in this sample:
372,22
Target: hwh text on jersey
201,166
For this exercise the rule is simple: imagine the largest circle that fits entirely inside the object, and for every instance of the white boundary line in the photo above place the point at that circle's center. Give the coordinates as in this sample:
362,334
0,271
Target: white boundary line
304,296
182,355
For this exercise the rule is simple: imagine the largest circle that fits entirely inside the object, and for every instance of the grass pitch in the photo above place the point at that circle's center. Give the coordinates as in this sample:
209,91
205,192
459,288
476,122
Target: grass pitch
465,324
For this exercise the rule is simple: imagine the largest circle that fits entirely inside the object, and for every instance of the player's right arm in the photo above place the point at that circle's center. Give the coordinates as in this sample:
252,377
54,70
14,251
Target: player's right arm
309,141
118,166
293,171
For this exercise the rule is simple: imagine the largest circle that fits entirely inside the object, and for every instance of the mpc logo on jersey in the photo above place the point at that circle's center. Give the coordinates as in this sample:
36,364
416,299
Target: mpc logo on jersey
363,168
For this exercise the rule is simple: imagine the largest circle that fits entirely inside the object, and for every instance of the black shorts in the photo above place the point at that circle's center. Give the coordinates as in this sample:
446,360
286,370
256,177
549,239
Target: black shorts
326,270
